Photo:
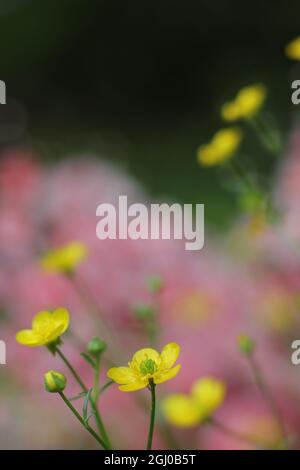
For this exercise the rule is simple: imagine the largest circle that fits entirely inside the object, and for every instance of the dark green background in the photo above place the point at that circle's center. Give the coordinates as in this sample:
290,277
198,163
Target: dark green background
141,82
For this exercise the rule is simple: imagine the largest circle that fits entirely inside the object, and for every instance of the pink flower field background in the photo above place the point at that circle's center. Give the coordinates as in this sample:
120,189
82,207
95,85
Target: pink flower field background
239,283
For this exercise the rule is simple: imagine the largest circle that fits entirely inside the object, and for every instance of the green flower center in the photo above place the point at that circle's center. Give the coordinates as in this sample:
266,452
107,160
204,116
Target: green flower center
148,366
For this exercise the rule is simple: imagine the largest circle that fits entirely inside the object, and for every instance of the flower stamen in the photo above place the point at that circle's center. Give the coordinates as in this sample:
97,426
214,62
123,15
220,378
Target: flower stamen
148,366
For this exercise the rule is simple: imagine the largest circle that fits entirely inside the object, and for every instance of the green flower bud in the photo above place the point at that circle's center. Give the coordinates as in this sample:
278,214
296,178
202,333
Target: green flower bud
246,344
143,311
96,346
154,284
55,382
253,201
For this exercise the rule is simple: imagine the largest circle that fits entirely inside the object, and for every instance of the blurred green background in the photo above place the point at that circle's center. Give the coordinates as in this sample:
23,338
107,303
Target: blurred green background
141,83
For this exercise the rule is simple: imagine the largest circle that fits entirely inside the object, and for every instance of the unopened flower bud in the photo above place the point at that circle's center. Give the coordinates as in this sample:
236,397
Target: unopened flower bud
154,284
96,346
55,382
143,311
246,344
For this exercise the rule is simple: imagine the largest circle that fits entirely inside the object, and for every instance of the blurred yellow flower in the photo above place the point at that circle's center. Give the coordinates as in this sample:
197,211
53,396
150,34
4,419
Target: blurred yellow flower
147,364
199,308
247,103
185,411
278,310
64,259
221,148
292,49
257,224
55,382
47,327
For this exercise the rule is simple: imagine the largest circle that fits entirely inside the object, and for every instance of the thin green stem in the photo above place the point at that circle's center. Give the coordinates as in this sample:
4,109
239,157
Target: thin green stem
153,324
105,386
151,330
268,135
80,419
235,434
72,370
242,175
96,379
85,389
100,424
168,436
94,404
263,202
152,415
266,393
85,296
143,403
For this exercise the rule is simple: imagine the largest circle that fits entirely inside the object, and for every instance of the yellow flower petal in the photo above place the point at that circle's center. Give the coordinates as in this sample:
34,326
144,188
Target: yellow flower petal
250,99
52,335
74,253
29,338
169,354
292,50
209,394
226,141
64,259
46,328
222,147
51,324
41,320
247,103
147,366
230,112
61,317
132,387
181,411
144,354
163,376
122,375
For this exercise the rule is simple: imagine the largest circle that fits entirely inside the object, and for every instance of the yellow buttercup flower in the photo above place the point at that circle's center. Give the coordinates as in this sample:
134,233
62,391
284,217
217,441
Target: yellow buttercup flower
180,410
292,50
146,365
247,103
47,327
54,381
221,148
64,259
278,311
209,393
257,225
188,410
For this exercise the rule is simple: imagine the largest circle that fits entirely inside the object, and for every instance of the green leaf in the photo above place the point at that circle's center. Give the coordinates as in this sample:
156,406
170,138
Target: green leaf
105,386
77,397
88,359
86,421
86,405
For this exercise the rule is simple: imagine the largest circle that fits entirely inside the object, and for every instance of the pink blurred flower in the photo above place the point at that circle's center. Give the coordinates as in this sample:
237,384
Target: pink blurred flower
208,299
